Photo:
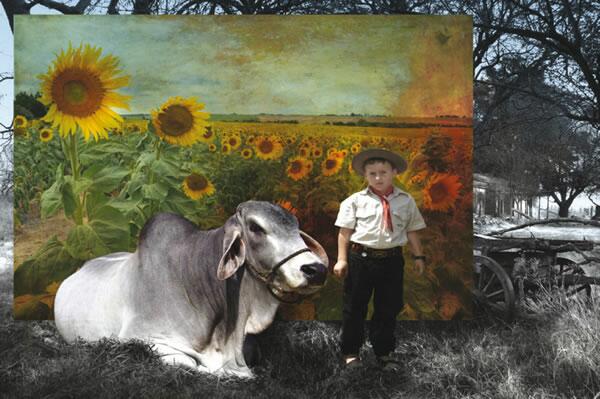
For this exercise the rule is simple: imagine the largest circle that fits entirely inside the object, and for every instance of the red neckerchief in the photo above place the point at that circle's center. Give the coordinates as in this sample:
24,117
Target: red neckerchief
387,215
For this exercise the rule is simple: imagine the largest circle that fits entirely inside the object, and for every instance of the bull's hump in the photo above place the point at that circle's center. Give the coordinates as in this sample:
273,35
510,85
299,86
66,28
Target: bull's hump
163,226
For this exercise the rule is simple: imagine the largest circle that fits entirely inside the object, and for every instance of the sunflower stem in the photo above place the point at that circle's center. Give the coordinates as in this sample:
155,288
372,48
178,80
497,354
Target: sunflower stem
74,159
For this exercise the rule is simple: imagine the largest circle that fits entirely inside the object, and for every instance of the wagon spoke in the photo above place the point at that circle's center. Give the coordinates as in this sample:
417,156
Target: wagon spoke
495,293
489,282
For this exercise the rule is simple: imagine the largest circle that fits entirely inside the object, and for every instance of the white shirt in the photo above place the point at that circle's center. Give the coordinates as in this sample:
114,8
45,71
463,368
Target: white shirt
363,212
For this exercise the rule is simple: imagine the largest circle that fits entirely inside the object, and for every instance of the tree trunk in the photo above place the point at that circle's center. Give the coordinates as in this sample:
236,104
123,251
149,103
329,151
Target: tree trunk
597,214
563,209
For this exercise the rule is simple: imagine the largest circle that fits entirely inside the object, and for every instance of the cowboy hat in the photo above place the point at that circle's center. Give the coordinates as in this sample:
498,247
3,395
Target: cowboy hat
358,162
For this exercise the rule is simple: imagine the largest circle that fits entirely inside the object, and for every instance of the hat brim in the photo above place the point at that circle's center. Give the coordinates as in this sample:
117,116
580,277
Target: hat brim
358,162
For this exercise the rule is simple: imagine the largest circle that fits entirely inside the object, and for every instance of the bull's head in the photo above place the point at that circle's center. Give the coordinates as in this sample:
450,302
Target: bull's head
267,239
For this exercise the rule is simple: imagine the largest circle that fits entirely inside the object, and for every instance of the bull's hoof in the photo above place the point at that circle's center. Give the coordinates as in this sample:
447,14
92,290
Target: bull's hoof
241,372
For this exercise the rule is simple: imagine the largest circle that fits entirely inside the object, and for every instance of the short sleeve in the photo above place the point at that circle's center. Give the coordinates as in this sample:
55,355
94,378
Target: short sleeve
347,214
415,220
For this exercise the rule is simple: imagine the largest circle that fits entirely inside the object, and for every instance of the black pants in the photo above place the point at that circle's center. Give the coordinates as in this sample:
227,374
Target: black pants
365,275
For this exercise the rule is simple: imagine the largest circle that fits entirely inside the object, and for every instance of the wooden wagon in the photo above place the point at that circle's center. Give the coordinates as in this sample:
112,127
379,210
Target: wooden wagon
508,268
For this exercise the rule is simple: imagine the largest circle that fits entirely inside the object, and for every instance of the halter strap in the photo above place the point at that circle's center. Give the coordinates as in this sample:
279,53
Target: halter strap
268,278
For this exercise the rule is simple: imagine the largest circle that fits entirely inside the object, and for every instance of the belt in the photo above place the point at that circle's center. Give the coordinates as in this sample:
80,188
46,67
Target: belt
374,253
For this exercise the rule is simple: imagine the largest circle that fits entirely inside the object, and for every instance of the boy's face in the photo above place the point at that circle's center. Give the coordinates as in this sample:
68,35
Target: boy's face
380,175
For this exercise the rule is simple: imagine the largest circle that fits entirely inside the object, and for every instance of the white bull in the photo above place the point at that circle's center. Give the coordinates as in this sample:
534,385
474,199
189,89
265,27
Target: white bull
195,294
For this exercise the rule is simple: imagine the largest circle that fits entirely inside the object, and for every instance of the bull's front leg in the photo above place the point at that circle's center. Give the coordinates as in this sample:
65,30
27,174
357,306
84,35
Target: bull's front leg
233,356
179,355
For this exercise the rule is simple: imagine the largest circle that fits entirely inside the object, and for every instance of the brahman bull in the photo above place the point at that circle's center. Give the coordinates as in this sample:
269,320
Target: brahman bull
195,294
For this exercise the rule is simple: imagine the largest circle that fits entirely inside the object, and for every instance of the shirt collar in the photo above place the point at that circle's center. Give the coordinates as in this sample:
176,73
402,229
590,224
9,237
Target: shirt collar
394,194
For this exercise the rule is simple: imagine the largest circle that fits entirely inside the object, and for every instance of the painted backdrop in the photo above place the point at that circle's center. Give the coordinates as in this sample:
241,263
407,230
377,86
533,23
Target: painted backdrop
119,118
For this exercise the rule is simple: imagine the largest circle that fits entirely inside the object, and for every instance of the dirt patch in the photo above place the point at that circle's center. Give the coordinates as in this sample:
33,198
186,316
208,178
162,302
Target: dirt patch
32,235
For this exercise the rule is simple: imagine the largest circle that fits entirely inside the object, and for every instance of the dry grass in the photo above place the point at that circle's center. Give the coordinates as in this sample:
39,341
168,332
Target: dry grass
552,353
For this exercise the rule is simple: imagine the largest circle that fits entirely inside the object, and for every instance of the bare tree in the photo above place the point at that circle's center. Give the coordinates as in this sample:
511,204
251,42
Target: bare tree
565,36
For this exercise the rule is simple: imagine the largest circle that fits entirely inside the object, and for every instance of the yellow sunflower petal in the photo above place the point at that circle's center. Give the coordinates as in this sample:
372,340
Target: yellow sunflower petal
78,88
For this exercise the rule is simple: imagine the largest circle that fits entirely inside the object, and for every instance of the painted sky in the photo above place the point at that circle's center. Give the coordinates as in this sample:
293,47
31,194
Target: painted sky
402,66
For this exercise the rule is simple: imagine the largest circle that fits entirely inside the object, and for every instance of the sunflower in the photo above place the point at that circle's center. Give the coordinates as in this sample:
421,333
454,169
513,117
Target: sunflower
20,125
20,122
268,147
250,139
287,205
298,167
234,141
46,135
419,177
225,148
289,140
355,148
331,166
304,152
441,192
79,90
246,153
331,151
316,152
180,121
197,186
212,147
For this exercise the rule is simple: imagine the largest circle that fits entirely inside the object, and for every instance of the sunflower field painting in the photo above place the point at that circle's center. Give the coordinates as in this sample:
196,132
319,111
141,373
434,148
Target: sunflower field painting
119,118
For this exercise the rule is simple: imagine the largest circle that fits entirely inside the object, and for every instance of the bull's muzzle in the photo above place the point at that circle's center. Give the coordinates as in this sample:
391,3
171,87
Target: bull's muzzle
315,273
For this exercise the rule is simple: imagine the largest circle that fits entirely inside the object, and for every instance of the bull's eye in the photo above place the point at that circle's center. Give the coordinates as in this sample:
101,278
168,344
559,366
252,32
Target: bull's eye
255,228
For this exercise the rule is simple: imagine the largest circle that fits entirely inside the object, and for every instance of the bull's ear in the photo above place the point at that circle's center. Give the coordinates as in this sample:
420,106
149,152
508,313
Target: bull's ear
233,257
315,247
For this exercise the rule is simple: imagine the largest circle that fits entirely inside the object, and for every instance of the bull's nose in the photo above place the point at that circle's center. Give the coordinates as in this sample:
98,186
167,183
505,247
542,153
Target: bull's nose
315,273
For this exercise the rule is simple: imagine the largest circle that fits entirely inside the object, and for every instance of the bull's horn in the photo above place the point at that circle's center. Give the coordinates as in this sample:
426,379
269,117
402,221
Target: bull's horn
315,247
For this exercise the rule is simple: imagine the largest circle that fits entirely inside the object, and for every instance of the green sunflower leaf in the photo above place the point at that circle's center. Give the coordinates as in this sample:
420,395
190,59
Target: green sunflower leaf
51,200
69,200
99,151
112,227
84,243
105,179
51,263
165,167
155,191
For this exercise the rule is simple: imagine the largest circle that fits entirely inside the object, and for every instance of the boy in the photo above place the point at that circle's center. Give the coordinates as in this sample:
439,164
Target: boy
374,224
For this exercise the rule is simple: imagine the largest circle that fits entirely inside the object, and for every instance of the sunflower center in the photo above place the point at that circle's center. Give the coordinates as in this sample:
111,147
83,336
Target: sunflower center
265,146
438,192
330,163
45,134
197,182
176,120
296,167
232,141
207,134
77,92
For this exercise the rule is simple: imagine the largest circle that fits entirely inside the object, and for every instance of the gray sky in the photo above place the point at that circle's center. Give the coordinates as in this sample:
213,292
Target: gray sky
400,66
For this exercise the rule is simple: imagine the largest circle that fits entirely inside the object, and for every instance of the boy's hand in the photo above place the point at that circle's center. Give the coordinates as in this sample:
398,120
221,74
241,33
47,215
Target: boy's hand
341,268
419,266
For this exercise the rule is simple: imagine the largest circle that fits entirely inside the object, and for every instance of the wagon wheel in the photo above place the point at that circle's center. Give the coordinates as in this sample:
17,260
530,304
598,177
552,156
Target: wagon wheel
565,271
493,286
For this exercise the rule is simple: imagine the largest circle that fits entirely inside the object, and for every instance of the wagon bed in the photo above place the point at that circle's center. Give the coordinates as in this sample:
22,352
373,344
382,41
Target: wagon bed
508,268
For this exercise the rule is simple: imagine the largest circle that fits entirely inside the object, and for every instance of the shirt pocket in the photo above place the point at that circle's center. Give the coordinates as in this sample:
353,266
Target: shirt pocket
399,215
366,213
